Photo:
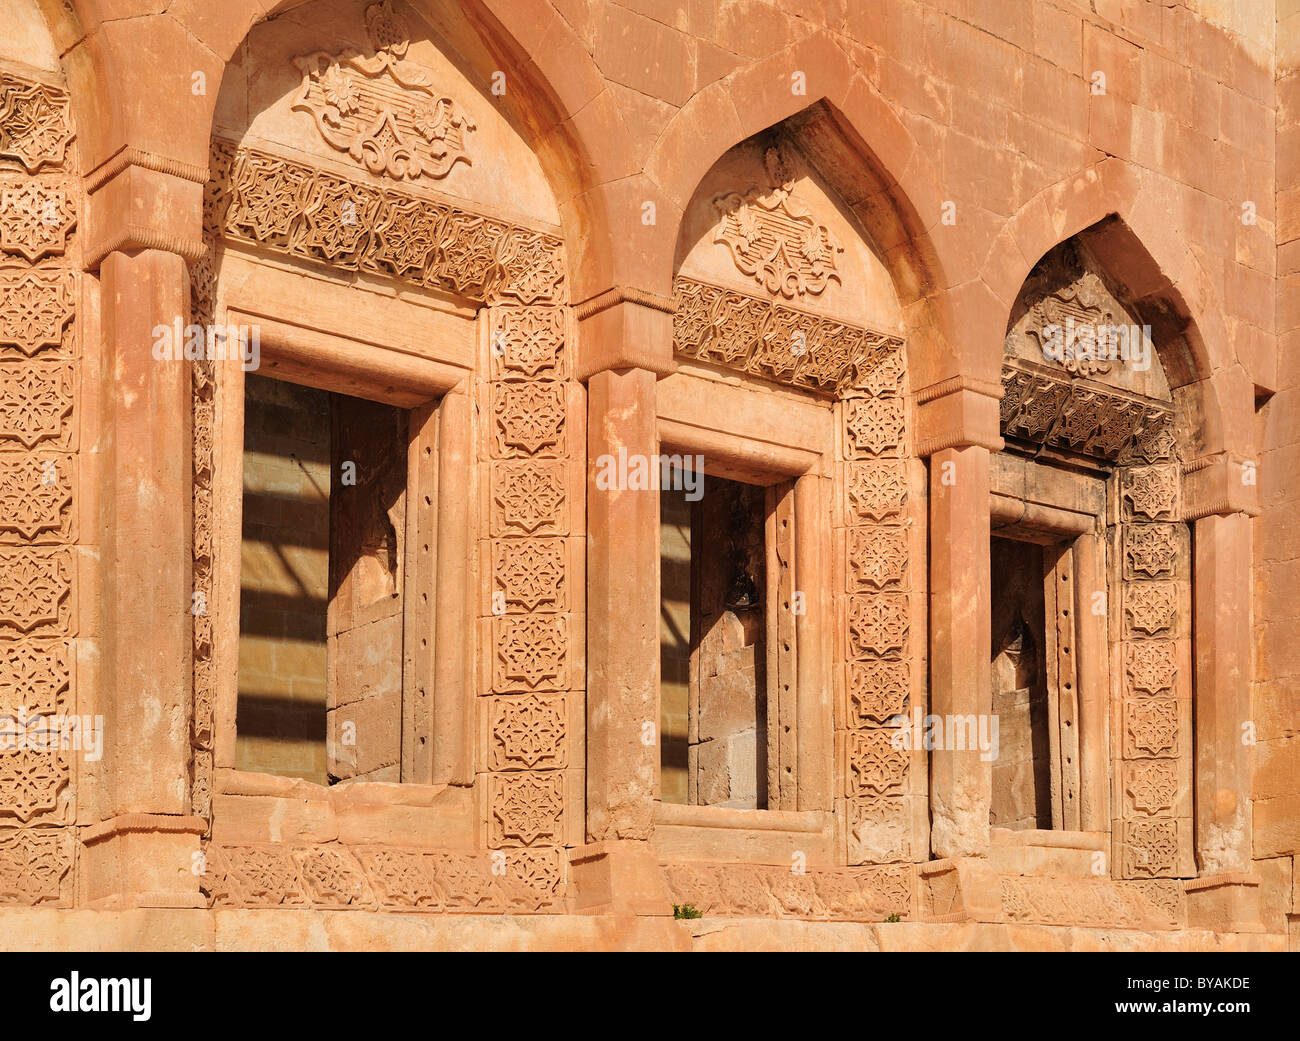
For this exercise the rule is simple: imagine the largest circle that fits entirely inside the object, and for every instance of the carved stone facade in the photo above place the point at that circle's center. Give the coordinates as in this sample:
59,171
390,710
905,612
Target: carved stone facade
545,236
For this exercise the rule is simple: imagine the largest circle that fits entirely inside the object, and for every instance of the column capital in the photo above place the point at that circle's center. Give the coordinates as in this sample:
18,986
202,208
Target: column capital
958,412
625,327
139,200
1219,485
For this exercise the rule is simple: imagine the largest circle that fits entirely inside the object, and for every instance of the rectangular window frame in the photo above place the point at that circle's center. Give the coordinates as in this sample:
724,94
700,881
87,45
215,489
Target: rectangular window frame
437,702
769,439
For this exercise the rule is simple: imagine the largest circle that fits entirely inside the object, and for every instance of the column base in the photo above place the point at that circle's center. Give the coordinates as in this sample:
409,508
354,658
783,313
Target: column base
617,878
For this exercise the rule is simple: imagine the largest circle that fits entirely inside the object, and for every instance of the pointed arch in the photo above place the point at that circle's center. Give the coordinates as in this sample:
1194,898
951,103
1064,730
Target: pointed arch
1112,211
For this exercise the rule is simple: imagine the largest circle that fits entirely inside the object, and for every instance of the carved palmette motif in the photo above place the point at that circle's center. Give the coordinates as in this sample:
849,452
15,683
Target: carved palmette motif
276,203
777,342
40,211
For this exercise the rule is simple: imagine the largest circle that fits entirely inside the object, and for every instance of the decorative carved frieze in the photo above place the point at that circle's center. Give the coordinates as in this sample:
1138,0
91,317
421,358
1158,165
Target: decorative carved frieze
1085,902
1151,666
780,343
36,497
35,123
279,204
529,419
1151,492
1150,550
382,878
36,401
36,588
874,426
1150,847
1151,785
1150,608
35,677
877,557
528,498
876,767
30,778
531,652
735,890
1077,416
384,111
877,691
528,342
877,490
878,624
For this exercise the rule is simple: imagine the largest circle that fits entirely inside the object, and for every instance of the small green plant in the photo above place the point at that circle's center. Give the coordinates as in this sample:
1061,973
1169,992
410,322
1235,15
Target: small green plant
893,918
686,911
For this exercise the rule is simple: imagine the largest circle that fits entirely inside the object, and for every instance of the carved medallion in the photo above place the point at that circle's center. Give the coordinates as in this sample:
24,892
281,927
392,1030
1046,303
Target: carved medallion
383,111
774,237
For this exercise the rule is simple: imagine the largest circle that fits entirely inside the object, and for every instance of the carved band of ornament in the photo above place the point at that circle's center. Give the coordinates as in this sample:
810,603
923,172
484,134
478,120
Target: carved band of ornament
1080,902
298,210
783,344
138,236
731,890
1084,417
331,876
35,123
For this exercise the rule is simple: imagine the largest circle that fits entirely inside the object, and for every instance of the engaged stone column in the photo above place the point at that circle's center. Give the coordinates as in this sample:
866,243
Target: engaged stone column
625,343
1221,590
142,850
957,428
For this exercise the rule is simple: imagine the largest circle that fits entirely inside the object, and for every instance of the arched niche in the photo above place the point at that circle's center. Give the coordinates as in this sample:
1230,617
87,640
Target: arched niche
792,374
375,213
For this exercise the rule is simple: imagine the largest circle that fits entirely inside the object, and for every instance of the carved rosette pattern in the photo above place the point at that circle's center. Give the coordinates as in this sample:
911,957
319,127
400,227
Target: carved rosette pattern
779,343
1155,709
332,876
529,712
40,288
735,890
875,597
